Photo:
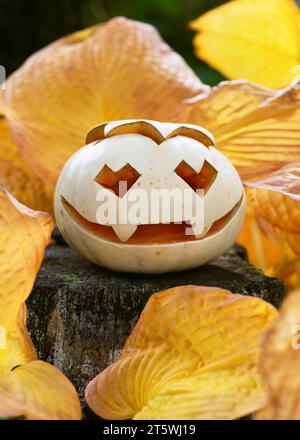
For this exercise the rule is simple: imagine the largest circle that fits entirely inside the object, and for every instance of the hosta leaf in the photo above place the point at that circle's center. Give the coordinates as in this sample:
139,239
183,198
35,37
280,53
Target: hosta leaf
282,187
38,391
28,388
252,39
23,236
275,202
17,177
258,129
280,363
117,70
262,251
192,355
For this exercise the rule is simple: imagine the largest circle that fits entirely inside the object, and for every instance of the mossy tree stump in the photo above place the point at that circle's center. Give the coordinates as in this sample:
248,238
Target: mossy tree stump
80,315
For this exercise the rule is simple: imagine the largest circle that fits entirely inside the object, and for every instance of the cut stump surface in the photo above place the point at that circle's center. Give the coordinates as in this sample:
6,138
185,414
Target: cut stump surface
80,315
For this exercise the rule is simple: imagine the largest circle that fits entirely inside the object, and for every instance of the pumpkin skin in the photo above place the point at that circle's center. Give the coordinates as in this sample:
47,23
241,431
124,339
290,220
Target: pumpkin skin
149,155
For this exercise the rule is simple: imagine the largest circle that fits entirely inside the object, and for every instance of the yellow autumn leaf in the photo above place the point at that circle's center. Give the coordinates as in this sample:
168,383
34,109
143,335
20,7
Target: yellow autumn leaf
192,355
117,70
28,387
2,101
38,391
280,363
17,177
275,202
24,235
251,39
258,129
261,251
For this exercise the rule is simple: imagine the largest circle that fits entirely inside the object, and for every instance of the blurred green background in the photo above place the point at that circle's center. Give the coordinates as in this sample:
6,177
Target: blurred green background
28,25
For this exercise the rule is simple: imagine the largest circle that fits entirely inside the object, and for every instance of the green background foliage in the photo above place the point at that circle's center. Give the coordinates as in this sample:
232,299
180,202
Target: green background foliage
28,25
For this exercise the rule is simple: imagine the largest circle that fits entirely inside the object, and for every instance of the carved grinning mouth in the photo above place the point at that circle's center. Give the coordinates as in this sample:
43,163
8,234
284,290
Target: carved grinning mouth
149,234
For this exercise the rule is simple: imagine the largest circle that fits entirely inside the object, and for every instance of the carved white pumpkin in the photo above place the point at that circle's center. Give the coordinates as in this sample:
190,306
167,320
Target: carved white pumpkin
147,156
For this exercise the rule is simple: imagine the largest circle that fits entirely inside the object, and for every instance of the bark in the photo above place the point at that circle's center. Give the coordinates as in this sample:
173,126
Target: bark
79,315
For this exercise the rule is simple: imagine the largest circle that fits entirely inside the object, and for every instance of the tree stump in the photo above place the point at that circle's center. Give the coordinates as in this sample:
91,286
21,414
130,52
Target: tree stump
80,315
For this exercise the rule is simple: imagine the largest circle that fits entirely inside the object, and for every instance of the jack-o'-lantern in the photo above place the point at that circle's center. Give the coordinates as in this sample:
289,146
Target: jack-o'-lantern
104,200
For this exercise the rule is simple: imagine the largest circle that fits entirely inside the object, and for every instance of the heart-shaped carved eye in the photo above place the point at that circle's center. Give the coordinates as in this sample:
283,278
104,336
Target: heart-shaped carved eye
111,179
202,180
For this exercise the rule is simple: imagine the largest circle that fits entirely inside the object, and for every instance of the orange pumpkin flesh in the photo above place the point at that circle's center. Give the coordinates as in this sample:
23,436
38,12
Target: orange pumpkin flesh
202,180
147,129
110,179
192,133
149,234
156,233
138,127
221,222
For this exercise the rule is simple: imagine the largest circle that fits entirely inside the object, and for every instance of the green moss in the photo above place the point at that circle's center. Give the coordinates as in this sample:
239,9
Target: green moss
135,290
231,252
69,278
246,264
